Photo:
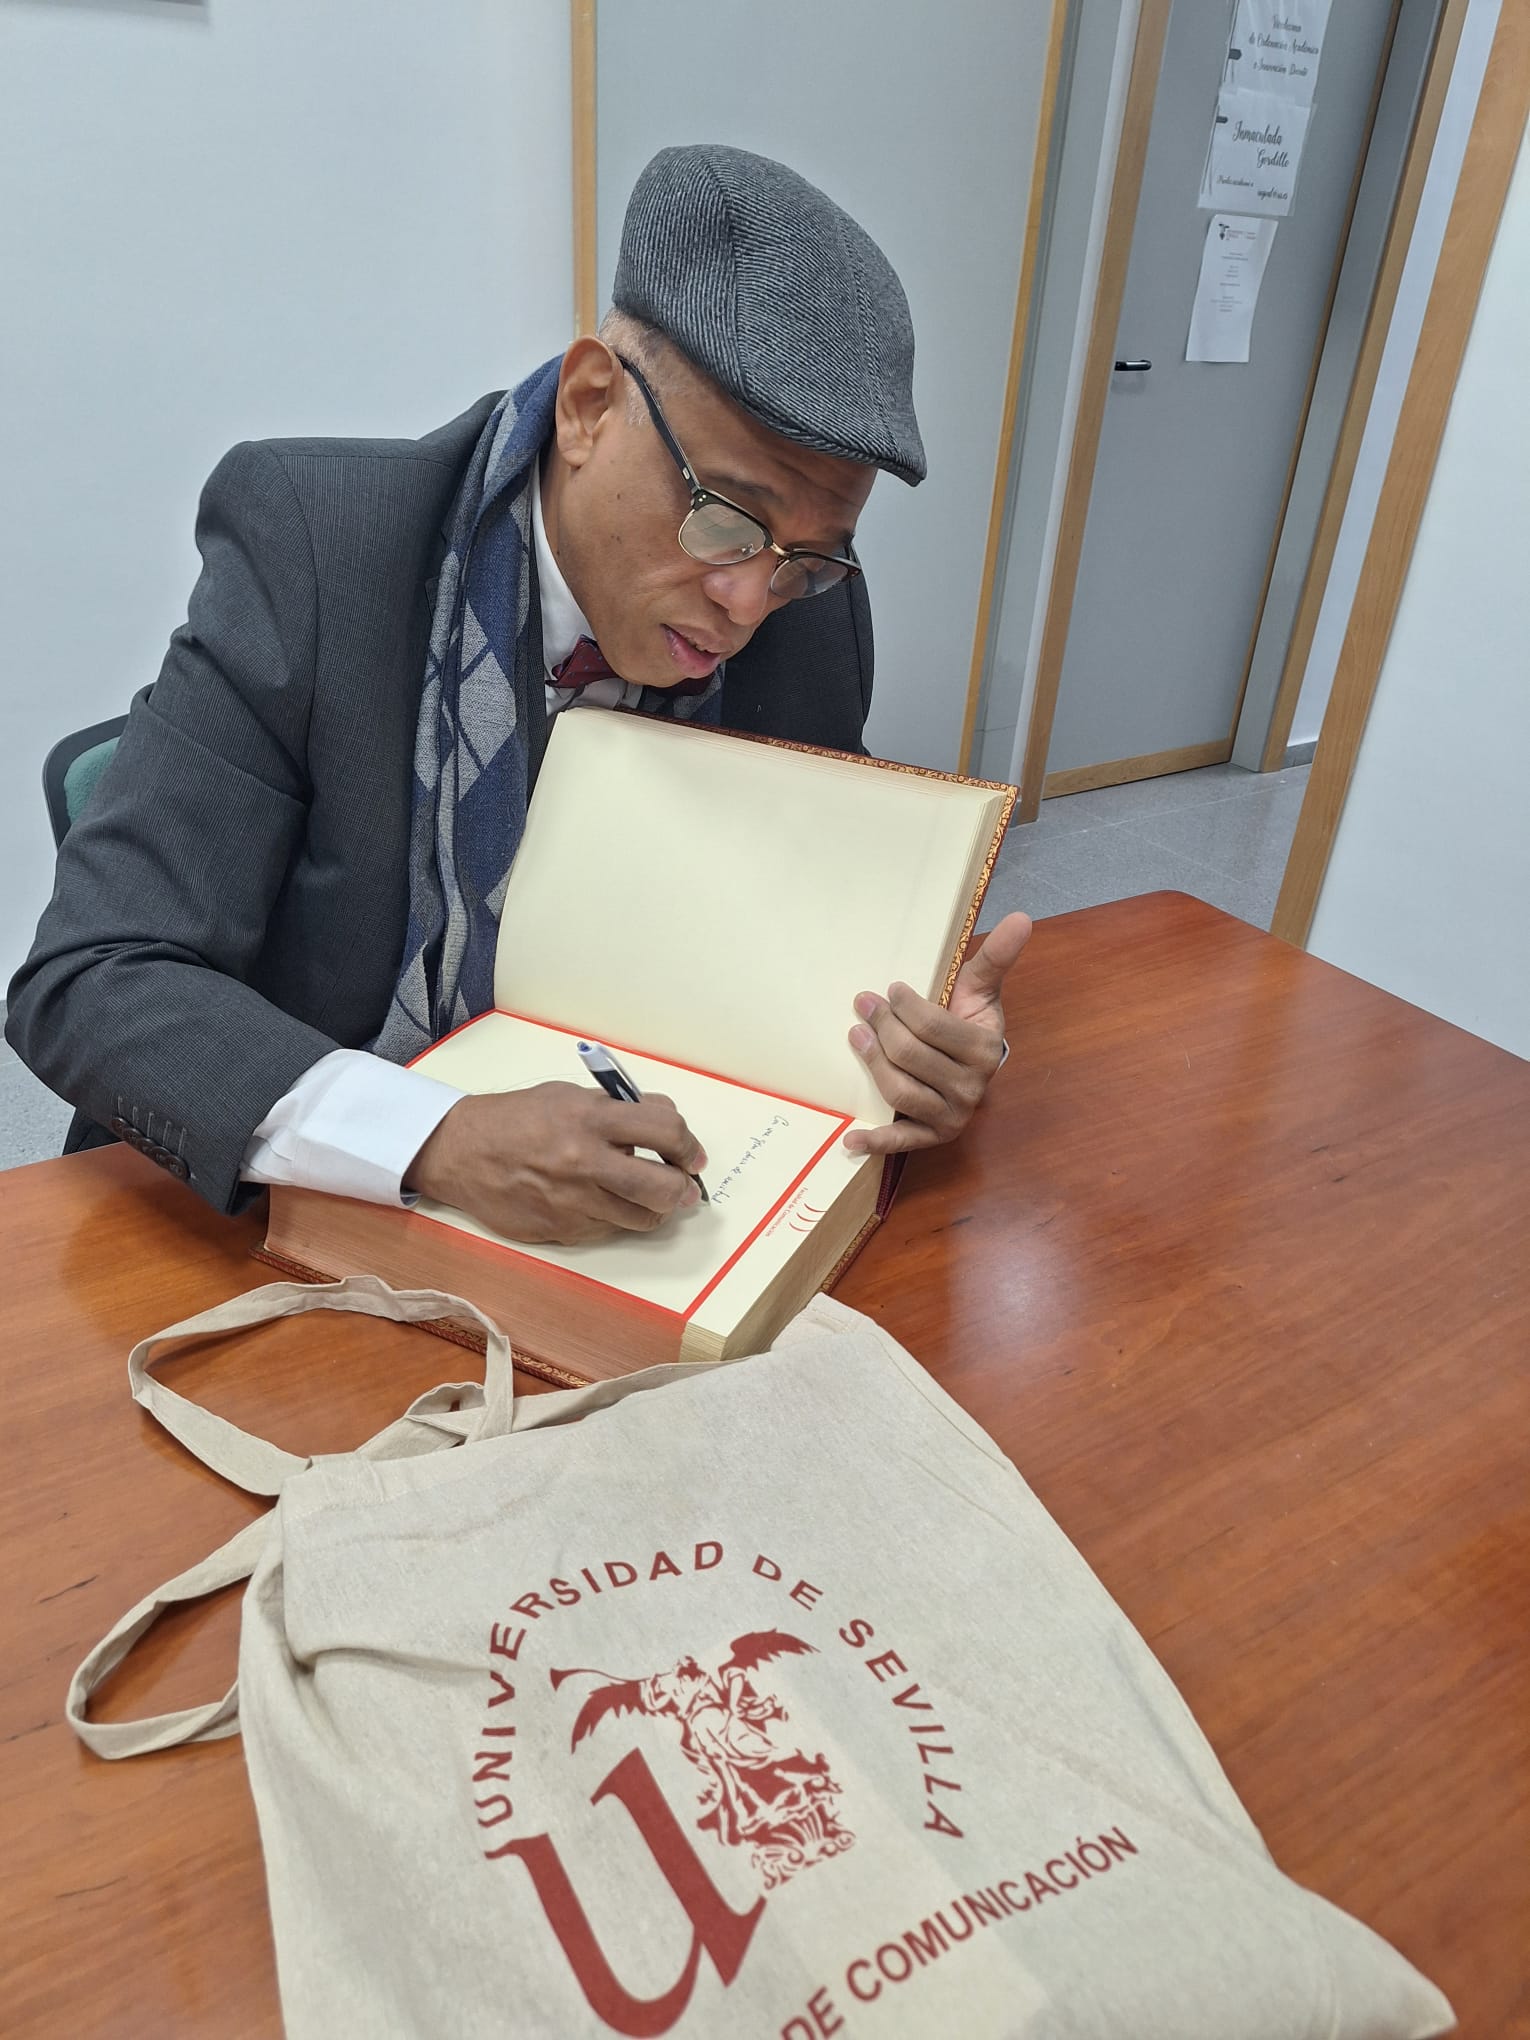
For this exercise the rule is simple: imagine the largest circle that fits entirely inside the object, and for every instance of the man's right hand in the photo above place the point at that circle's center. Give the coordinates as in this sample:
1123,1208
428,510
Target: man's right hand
554,1165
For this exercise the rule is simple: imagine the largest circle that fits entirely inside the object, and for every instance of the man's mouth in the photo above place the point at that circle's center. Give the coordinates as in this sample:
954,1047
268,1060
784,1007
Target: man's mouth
695,657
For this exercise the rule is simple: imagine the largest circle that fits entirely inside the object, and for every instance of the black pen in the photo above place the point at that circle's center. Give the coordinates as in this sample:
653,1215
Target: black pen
615,1082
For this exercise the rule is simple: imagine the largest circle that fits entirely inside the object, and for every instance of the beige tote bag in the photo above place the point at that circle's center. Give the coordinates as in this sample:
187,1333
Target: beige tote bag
762,1699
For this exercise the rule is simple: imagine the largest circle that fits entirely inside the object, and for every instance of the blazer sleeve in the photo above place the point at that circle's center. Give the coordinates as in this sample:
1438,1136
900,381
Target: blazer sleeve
133,1002
806,673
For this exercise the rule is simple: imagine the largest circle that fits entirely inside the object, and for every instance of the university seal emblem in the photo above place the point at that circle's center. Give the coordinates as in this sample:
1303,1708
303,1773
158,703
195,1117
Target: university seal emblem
757,1791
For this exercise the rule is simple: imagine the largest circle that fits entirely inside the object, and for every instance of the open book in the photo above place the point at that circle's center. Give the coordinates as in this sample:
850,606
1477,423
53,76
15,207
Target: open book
708,906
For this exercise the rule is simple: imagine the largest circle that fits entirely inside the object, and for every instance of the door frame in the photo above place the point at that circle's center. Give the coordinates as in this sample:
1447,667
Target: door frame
581,35
1494,140
1270,742
1054,92
1060,591
1110,287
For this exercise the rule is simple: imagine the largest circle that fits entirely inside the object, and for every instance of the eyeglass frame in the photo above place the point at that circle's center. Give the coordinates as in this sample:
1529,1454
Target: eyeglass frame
701,496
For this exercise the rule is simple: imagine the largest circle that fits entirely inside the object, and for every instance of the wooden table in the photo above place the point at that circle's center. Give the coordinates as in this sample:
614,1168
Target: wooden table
1236,1266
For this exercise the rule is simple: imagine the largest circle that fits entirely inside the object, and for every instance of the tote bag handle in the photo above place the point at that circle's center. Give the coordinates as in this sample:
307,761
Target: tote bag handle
444,1416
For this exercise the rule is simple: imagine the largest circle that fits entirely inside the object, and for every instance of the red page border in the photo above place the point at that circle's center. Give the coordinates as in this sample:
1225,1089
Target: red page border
845,1120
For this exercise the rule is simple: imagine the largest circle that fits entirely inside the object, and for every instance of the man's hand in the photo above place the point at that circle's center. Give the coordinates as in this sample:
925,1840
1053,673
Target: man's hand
933,1063
554,1165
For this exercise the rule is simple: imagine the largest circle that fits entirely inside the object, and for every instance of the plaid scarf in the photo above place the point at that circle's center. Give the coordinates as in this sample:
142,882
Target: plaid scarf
468,808
471,756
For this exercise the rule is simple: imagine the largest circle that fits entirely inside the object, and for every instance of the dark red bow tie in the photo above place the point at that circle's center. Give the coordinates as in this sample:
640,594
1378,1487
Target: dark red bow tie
586,662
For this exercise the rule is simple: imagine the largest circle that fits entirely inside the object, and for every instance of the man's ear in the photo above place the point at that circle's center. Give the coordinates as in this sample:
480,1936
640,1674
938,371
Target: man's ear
589,393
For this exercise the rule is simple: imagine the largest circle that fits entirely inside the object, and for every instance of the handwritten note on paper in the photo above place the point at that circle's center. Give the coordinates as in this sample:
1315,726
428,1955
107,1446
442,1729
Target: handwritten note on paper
1255,153
1232,269
730,1184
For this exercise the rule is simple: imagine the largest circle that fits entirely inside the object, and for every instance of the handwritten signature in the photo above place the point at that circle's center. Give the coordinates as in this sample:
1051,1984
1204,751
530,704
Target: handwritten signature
724,1186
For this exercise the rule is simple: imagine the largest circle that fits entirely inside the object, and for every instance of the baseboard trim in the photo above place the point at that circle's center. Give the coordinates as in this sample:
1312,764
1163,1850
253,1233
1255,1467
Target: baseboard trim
1299,754
1151,765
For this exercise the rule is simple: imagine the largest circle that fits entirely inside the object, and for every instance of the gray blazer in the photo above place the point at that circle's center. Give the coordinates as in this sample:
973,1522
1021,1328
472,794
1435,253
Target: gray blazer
231,905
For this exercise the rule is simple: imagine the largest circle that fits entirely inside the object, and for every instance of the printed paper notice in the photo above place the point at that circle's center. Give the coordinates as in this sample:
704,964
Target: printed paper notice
1255,153
1232,268
1276,47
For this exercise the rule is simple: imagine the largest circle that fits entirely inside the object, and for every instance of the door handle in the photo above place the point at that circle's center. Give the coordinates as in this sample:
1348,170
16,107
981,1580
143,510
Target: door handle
1139,367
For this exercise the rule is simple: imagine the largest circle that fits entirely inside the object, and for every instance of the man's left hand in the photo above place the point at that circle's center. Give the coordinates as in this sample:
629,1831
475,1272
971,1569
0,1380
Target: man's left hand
933,1063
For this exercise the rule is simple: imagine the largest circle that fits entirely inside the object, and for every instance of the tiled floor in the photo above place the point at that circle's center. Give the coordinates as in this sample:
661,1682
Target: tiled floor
1221,834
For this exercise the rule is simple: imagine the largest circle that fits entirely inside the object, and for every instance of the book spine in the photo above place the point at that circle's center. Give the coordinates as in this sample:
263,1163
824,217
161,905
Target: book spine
841,1266
892,1176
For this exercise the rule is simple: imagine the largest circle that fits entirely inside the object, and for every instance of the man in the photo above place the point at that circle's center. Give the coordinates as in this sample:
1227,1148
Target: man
287,882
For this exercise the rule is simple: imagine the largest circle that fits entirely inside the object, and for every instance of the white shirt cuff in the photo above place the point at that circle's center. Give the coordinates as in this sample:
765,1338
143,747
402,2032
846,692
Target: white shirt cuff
351,1125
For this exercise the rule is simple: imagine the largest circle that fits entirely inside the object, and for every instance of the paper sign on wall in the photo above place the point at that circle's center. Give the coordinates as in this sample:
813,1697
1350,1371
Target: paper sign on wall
1232,268
1276,47
1255,153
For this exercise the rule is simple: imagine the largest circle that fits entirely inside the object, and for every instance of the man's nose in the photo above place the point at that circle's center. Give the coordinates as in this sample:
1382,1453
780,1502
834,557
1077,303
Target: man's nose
744,590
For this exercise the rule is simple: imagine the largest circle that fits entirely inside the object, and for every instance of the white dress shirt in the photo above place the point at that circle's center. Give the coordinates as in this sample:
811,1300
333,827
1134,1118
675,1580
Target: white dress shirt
354,1122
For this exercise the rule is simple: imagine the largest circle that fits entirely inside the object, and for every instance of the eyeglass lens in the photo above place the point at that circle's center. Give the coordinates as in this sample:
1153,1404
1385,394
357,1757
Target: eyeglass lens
720,535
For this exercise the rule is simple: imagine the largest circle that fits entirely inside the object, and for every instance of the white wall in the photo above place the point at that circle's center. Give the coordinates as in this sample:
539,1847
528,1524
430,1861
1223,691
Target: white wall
1395,366
225,219
921,123
1427,888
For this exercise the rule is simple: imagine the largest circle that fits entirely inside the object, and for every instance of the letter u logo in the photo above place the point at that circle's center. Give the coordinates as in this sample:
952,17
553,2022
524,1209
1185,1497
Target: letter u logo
716,1929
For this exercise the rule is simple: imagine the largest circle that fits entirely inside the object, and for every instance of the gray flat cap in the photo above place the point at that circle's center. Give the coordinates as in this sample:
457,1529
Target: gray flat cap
779,297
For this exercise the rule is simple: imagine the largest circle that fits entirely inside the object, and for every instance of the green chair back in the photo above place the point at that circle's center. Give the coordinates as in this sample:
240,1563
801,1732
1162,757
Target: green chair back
71,769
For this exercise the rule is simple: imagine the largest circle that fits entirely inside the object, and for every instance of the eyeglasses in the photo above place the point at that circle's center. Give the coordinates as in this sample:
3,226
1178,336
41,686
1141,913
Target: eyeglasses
720,534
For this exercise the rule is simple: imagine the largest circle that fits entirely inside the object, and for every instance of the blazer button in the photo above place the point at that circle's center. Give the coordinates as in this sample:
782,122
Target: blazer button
165,1158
